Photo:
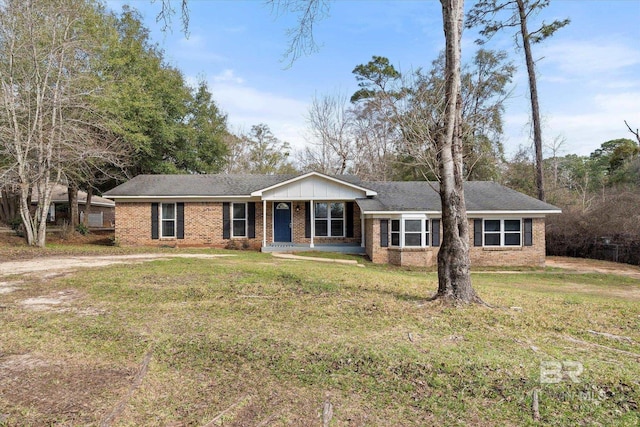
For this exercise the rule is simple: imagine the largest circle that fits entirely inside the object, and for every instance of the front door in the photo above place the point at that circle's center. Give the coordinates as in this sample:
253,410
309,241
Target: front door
282,222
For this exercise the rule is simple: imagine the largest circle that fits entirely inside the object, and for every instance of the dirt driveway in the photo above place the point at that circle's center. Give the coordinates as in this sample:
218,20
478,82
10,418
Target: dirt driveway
583,265
57,265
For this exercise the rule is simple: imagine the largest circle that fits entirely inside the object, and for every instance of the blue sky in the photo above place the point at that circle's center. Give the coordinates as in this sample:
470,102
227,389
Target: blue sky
588,73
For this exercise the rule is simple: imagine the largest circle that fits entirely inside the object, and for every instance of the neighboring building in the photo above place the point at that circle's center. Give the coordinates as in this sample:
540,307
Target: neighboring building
392,222
101,215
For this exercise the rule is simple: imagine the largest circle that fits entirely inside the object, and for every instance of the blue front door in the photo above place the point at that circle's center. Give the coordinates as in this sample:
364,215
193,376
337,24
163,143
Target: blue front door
282,222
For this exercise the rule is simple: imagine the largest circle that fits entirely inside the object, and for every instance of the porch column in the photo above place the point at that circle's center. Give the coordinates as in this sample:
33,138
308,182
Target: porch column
312,215
264,223
362,233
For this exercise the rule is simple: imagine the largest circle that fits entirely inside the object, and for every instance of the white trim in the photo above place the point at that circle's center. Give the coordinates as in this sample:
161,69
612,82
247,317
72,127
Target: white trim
264,223
312,218
306,175
181,198
245,219
470,214
502,232
161,220
329,218
362,231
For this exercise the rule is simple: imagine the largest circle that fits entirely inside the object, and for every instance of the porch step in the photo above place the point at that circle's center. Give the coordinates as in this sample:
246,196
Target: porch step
296,247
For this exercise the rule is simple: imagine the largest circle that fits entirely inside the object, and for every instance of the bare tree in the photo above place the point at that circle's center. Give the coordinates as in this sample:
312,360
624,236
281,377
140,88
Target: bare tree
634,132
518,13
454,279
330,127
48,122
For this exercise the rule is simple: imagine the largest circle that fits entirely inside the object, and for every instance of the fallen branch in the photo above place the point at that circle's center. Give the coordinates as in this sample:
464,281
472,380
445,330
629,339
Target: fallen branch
137,381
577,341
608,335
327,413
226,411
535,406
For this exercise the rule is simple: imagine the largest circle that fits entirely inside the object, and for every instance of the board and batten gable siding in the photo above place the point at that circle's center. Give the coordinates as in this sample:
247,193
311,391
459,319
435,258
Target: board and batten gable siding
313,188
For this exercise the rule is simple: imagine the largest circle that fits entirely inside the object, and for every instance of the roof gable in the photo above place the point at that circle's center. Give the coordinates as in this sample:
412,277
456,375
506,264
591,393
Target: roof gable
315,186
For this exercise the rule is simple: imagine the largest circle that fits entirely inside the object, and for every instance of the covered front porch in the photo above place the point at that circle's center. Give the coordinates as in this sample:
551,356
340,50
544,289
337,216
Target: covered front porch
311,213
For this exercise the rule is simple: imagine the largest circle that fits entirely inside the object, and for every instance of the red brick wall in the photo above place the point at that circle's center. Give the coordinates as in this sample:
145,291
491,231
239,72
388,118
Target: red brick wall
203,226
480,256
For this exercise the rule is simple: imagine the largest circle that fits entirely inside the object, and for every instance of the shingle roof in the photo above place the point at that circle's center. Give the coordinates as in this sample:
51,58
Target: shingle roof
423,196
196,185
392,196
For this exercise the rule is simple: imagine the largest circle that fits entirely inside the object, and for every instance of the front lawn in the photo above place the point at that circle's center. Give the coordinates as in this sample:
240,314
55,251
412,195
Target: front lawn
255,340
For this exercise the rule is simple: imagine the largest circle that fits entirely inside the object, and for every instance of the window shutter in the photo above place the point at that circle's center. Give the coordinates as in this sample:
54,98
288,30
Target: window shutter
528,232
349,219
154,221
477,232
251,217
435,232
307,220
226,220
180,222
384,233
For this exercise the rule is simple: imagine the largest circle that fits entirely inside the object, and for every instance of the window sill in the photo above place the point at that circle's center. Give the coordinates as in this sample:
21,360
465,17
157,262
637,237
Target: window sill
501,248
411,248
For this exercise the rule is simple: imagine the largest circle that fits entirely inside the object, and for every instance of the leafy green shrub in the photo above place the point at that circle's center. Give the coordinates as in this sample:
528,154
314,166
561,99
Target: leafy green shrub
82,229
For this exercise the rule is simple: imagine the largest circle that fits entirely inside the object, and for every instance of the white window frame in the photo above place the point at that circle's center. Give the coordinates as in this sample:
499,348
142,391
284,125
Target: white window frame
329,218
162,220
425,231
234,219
502,232
397,232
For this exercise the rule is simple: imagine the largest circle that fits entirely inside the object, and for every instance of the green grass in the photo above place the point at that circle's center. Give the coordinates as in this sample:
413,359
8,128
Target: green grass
278,338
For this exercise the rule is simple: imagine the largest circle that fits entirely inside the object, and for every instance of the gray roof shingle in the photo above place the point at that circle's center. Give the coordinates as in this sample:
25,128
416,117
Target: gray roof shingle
196,185
423,196
392,196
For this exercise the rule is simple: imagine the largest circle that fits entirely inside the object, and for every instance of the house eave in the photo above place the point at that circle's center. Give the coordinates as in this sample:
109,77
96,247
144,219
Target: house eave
367,191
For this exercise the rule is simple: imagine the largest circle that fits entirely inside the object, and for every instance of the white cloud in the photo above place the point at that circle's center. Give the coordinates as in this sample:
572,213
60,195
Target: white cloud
227,76
195,48
591,57
247,106
584,131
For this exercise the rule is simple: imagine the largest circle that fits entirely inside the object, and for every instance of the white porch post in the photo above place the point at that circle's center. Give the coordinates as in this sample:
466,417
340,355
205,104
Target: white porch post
313,222
362,233
264,223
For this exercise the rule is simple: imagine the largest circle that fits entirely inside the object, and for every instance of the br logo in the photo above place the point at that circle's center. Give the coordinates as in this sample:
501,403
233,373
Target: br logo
555,372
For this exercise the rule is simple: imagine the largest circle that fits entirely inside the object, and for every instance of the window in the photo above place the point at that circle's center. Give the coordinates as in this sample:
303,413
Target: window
329,219
168,219
502,232
239,219
413,232
395,232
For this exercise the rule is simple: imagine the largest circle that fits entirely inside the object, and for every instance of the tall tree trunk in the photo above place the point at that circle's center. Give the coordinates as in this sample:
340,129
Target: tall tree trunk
454,278
533,91
74,215
9,205
87,206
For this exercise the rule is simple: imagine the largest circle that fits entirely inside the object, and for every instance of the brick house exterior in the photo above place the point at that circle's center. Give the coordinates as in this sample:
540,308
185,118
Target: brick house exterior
392,222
